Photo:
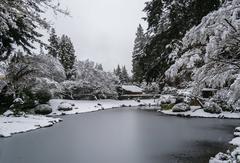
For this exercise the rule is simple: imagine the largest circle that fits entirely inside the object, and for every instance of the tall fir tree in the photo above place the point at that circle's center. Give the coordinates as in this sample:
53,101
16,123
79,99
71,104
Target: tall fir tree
53,44
66,54
118,71
138,53
124,77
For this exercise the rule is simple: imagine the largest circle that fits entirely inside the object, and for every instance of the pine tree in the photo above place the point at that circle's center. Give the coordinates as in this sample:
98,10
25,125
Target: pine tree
118,71
20,21
66,54
137,54
54,44
124,77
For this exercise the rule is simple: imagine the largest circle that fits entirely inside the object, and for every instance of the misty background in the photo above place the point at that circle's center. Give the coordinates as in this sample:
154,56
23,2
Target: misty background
102,31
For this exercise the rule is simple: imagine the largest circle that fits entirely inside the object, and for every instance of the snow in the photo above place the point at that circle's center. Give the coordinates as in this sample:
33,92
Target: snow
83,106
196,111
10,125
132,88
13,125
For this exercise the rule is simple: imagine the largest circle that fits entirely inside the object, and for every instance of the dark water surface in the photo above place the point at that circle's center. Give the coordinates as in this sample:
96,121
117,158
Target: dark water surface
121,136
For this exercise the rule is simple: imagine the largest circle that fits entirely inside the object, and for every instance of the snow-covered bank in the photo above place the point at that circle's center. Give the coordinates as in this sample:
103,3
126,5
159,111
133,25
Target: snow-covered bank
230,157
12,125
197,112
90,106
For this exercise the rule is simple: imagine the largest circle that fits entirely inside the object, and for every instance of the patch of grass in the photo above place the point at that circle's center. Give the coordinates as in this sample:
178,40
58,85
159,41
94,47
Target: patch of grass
167,106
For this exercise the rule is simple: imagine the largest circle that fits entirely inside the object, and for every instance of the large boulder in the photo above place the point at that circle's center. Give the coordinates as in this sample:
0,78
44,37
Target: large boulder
43,109
212,107
181,107
64,106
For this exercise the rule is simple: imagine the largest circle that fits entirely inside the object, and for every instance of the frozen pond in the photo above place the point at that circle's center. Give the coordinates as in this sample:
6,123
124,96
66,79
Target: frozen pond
121,136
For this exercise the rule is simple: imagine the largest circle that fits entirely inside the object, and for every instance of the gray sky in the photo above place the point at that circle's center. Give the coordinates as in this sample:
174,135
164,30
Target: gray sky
102,30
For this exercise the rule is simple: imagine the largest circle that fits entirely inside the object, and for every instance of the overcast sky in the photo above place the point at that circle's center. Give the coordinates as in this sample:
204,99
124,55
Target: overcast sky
102,30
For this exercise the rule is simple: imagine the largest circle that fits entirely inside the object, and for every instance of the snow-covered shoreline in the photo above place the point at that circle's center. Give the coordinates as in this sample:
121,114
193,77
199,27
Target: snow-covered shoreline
200,113
13,125
91,106
230,156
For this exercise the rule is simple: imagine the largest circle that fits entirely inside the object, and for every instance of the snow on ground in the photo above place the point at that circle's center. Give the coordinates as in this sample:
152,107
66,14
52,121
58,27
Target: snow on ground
197,112
12,125
90,106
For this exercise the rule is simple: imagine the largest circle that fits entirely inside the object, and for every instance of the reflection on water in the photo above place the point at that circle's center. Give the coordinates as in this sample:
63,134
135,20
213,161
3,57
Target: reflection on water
121,136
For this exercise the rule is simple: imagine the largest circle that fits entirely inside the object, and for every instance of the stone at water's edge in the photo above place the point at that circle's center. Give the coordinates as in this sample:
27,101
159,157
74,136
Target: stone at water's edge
181,107
64,106
212,107
43,109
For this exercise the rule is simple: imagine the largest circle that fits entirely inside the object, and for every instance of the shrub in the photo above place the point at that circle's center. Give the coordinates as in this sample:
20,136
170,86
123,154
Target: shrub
167,106
43,96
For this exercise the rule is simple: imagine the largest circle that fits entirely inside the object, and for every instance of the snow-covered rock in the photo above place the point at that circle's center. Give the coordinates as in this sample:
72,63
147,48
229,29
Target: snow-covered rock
181,107
221,158
212,107
64,106
43,109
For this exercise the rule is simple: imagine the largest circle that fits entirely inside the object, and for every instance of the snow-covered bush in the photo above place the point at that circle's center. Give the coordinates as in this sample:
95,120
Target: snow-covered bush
90,80
209,54
31,74
43,96
35,73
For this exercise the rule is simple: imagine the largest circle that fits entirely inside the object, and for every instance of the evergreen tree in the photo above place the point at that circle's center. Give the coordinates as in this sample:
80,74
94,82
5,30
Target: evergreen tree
138,53
118,71
54,44
66,54
124,77
19,23
168,21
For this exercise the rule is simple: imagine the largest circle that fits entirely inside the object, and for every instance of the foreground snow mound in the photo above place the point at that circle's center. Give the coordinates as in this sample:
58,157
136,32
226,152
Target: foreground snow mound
12,125
82,106
221,158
